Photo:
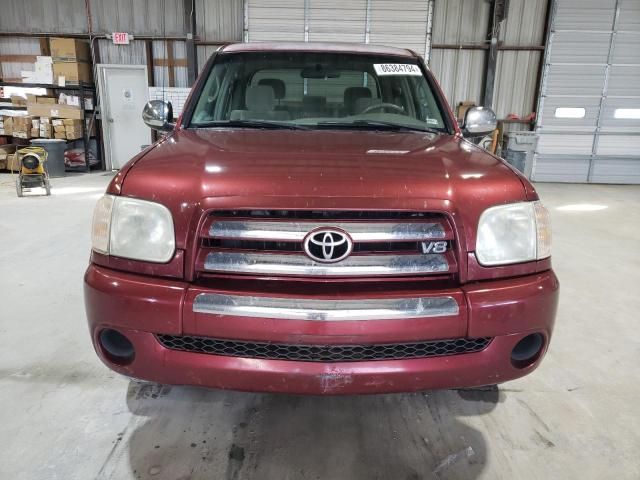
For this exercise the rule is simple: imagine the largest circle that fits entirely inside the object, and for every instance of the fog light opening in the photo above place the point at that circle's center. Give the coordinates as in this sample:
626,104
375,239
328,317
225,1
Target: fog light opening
527,350
116,346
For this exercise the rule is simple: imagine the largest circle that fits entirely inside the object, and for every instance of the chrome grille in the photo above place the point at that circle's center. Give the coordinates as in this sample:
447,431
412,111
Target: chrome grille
325,310
270,242
296,231
323,353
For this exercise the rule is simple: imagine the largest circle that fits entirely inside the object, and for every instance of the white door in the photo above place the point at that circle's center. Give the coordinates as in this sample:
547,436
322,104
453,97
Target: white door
123,94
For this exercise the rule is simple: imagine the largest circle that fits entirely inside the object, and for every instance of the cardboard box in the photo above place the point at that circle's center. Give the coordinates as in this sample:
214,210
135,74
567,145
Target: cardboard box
59,128
43,73
58,111
62,135
57,121
6,150
23,122
12,162
462,108
35,132
68,122
73,72
73,134
69,50
22,126
7,128
65,99
18,101
48,100
25,134
45,130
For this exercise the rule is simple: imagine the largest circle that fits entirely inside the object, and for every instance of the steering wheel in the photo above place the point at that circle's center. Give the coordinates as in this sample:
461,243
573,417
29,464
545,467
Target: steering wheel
378,106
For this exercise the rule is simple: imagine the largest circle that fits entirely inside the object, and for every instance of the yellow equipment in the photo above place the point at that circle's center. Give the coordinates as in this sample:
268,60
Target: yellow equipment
33,170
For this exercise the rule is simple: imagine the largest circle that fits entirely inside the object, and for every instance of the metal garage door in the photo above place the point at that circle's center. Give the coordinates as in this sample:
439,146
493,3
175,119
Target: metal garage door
274,20
401,24
589,109
384,22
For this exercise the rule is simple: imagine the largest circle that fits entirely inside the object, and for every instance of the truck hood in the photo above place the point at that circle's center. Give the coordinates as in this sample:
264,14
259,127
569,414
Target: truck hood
250,168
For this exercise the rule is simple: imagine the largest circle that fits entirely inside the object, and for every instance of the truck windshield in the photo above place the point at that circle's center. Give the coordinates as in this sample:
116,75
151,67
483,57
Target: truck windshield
316,91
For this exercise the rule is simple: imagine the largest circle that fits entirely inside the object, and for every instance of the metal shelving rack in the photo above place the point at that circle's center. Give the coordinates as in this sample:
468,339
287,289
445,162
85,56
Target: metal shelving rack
84,90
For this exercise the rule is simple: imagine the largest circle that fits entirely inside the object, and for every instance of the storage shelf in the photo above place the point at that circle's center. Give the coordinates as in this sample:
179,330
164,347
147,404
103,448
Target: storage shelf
42,138
84,86
85,90
15,107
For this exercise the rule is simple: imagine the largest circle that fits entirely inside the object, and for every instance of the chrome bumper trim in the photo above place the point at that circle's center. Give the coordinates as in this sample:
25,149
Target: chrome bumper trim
355,265
296,231
324,310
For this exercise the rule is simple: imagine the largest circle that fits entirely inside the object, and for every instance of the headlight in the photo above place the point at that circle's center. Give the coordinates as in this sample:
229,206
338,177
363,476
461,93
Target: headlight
130,228
513,233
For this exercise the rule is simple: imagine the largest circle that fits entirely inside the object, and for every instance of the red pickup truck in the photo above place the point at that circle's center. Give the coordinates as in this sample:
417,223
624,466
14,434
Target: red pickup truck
316,222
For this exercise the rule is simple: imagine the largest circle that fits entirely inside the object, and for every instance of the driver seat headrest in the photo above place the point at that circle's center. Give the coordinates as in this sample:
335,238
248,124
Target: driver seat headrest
351,97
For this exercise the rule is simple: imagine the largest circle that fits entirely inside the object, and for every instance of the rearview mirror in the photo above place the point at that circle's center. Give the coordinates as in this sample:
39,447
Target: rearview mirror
158,114
319,71
479,121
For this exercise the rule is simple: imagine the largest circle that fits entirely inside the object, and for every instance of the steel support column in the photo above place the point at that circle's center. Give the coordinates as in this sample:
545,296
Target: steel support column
498,14
190,30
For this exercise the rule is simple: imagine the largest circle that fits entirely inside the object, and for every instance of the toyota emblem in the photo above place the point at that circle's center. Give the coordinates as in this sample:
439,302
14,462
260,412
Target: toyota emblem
328,245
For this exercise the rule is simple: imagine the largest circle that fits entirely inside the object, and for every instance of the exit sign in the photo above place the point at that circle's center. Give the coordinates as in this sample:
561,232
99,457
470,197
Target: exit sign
120,38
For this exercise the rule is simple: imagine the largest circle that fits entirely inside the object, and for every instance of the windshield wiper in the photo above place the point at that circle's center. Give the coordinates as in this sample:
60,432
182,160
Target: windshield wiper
250,124
380,125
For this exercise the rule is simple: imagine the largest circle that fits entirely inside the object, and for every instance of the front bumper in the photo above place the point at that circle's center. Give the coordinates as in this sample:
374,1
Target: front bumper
141,307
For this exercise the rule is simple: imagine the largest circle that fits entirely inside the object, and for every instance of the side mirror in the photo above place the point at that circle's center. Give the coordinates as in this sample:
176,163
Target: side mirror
158,114
479,121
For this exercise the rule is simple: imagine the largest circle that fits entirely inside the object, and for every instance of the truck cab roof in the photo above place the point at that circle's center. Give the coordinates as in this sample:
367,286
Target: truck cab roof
327,47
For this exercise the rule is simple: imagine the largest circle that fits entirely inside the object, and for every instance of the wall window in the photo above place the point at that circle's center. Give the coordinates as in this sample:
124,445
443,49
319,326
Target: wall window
570,112
627,113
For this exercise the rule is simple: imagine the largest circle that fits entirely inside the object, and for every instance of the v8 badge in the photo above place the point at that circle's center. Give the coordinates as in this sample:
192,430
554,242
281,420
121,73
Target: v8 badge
433,247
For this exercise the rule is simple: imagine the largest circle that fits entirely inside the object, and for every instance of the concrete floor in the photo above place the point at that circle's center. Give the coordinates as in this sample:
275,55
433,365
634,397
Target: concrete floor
66,416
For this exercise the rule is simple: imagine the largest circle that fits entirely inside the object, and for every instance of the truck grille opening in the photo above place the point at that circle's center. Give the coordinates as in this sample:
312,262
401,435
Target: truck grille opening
322,214
323,353
272,242
272,246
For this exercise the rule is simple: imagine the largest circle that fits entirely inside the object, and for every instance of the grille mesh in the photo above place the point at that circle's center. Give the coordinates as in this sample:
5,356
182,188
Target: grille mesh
323,353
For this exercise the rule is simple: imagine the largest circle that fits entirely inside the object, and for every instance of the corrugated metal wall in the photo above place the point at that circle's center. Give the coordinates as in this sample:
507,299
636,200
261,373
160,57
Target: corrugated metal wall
204,52
40,16
385,22
132,54
135,54
517,71
275,21
17,46
141,17
461,71
337,21
219,21
593,68
402,25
